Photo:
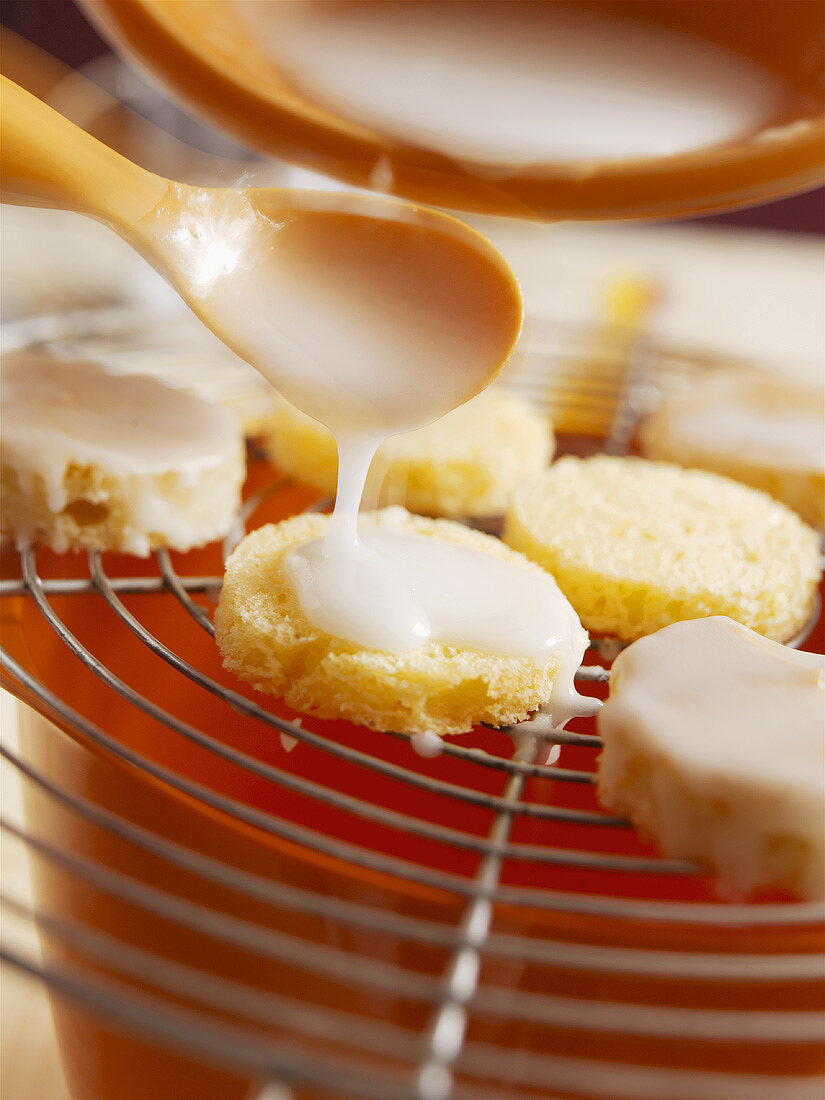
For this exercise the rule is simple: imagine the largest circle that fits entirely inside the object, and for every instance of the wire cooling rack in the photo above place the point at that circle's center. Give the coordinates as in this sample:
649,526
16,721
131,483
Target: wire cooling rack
468,926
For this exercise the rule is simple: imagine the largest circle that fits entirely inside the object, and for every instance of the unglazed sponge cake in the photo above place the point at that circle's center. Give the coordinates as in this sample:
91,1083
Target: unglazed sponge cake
466,464
92,460
714,745
636,545
765,431
266,639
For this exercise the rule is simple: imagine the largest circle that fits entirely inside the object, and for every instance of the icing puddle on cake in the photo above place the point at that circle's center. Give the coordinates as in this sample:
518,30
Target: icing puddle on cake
394,590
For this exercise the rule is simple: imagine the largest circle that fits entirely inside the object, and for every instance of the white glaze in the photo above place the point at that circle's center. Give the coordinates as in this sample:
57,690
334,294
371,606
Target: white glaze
55,408
427,744
288,742
726,700
367,315
513,84
761,420
731,729
140,433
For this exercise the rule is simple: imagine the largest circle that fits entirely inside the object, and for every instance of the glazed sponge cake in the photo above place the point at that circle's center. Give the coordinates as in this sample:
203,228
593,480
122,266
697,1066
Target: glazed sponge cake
714,746
266,639
636,545
767,432
97,461
468,463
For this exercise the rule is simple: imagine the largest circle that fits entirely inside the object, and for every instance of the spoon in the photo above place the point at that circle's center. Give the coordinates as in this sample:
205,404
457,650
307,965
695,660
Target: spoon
360,310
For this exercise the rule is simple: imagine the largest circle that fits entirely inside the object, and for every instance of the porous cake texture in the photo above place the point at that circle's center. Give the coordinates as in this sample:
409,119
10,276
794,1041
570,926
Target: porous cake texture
90,460
266,639
468,463
768,432
636,545
714,746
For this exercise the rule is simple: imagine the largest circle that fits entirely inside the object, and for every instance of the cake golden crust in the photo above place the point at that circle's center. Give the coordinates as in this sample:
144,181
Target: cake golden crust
266,639
636,545
466,464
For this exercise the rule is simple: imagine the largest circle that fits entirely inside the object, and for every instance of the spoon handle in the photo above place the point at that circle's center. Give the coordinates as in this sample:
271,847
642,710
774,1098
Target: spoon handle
47,161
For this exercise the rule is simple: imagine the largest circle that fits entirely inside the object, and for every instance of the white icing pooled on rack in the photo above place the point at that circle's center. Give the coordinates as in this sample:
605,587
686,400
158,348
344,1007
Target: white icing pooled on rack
515,84
533,739
427,743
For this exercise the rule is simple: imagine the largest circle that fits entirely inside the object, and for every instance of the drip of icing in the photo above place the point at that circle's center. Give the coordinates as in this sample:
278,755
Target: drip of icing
532,739
531,746
288,742
553,718
427,744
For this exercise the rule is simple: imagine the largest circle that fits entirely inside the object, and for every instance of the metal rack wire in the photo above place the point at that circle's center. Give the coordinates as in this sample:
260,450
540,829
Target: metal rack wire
594,973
